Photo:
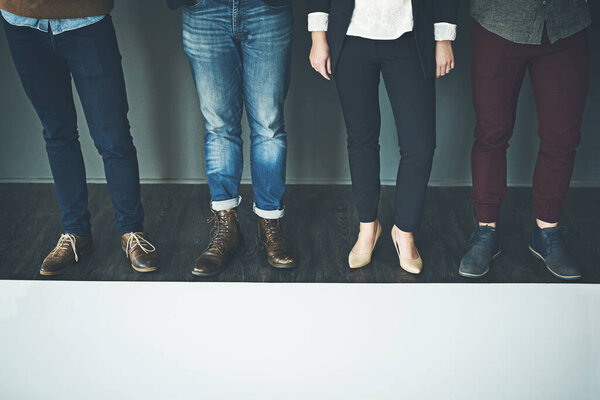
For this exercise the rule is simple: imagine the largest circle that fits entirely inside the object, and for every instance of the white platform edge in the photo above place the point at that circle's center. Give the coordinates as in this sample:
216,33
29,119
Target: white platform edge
178,340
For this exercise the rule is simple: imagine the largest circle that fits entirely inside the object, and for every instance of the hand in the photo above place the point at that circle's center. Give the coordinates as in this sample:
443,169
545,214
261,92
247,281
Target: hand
444,58
319,55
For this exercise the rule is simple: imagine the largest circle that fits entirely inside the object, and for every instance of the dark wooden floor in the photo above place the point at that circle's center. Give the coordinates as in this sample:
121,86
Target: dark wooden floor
320,220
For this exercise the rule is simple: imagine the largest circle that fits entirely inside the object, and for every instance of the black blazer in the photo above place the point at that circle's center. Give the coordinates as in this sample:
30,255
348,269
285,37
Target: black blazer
174,4
425,14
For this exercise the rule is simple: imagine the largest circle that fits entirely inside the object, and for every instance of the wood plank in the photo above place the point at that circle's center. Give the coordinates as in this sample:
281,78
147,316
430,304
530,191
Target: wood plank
320,220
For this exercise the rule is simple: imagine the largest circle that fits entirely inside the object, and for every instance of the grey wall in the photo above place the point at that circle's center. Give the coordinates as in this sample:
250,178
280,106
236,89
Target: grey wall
168,130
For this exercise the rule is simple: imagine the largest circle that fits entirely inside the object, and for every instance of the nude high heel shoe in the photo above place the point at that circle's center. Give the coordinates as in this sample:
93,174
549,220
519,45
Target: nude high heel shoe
412,266
356,260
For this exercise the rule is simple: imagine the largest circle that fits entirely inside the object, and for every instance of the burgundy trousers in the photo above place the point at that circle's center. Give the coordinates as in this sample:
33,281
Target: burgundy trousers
560,75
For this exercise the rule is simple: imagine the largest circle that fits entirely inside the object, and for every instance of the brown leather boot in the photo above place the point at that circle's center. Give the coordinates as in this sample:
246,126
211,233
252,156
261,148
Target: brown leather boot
66,253
224,241
141,253
272,239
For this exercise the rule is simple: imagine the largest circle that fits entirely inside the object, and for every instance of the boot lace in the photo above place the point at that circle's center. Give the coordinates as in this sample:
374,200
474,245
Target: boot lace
136,239
555,239
273,231
219,232
64,241
481,237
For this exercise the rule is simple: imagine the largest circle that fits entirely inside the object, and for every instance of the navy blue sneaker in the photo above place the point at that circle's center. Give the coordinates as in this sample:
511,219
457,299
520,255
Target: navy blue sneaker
548,245
484,247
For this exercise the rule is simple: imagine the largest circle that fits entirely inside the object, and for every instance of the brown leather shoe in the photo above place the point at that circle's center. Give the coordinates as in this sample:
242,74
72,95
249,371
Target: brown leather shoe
141,253
272,239
66,253
224,241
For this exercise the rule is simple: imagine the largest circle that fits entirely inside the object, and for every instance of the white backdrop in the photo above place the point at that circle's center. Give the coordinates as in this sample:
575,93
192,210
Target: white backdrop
133,340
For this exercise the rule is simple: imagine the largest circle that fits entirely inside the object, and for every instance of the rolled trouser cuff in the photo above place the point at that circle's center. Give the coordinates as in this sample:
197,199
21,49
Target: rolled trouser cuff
268,214
223,205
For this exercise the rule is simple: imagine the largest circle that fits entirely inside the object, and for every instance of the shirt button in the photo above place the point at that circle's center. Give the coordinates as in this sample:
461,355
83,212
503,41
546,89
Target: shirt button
544,2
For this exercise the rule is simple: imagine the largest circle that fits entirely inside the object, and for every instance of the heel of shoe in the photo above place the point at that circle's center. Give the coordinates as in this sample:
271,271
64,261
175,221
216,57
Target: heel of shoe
411,266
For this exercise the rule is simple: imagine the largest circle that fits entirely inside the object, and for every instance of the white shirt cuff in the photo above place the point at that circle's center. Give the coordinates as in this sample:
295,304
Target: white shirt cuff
444,31
318,22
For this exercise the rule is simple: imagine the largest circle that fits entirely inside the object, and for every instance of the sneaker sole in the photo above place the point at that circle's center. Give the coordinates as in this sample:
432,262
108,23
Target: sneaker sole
467,275
565,277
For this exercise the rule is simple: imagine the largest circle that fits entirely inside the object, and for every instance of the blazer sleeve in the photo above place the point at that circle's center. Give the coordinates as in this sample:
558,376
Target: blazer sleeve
319,6
445,11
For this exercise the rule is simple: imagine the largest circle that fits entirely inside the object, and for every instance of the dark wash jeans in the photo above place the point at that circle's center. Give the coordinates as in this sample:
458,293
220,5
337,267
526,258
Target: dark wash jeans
90,55
560,75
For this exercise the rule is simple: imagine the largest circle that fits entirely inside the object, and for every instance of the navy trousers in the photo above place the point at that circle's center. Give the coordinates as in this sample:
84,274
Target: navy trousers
90,56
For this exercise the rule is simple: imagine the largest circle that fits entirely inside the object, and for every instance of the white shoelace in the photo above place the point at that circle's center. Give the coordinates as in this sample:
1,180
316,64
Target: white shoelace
66,239
135,240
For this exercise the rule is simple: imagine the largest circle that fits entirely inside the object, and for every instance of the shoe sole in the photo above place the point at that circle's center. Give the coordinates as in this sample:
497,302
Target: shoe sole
206,275
282,266
53,273
138,269
62,271
467,275
239,250
273,264
565,277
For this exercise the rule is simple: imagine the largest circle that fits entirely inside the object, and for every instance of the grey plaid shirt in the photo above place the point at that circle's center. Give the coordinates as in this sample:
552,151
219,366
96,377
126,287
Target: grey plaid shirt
522,21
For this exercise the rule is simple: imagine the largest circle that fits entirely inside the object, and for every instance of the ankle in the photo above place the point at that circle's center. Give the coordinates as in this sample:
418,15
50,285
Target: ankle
490,224
543,224
402,235
369,228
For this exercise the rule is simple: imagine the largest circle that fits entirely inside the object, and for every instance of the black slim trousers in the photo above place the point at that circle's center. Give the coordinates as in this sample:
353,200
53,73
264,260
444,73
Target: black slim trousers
412,97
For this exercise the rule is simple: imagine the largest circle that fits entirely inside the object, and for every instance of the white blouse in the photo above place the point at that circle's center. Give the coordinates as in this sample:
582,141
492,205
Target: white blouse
381,20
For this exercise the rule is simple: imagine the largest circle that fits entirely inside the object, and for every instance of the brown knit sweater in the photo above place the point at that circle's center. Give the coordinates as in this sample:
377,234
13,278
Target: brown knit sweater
57,9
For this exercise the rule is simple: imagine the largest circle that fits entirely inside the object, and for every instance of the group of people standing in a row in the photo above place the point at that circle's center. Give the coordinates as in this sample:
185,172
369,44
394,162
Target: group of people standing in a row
239,52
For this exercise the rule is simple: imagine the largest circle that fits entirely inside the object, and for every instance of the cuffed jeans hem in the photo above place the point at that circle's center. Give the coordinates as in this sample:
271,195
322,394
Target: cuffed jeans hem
223,205
548,213
267,214
131,228
487,214
78,232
